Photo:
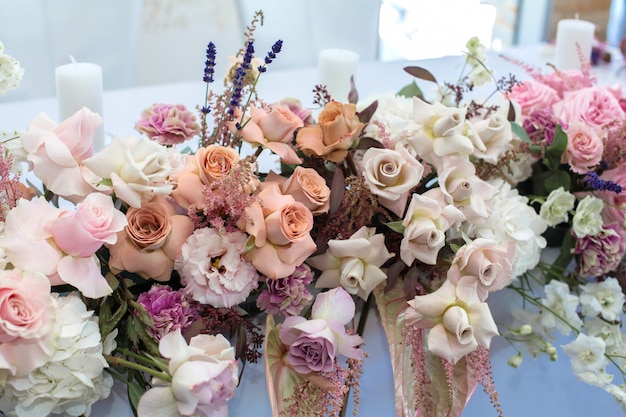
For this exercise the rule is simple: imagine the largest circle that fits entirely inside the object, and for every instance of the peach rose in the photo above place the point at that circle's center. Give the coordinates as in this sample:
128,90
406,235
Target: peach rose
532,95
274,130
281,229
209,164
584,148
306,186
337,128
593,106
151,241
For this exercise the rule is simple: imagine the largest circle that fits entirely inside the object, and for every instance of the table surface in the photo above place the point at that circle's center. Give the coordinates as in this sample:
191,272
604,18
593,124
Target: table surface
539,387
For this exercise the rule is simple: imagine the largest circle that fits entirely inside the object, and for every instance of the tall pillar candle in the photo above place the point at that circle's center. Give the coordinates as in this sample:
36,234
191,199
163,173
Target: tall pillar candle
335,67
78,85
569,33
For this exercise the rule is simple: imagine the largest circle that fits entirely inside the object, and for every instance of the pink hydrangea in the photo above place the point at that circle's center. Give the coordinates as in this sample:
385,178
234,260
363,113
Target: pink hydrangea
168,124
600,253
170,309
289,295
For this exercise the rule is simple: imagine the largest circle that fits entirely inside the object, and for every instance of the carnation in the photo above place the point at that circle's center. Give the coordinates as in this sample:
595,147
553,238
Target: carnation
170,310
168,124
213,270
289,295
600,253
73,378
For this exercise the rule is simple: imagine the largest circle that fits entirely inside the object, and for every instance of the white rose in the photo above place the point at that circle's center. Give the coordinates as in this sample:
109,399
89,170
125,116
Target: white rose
556,207
137,168
587,220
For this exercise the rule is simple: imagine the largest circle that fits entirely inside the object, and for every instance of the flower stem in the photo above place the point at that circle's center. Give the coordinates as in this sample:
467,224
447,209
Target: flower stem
117,361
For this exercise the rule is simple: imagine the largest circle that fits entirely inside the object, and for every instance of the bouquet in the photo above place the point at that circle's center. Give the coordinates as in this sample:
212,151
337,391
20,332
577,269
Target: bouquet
168,260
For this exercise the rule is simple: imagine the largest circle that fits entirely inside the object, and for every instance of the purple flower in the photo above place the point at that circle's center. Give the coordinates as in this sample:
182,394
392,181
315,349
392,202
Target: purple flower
600,253
168,124
540,126
171,310
289,295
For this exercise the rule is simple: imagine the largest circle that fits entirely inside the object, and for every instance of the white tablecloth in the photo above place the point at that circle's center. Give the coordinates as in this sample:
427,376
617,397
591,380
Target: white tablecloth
539,388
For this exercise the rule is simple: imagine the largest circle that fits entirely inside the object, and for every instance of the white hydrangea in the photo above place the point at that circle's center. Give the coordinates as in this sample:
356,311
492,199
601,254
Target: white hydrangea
556,208
561,302
11,72
74,377
394,112
588,360
587,221
513,219
604,298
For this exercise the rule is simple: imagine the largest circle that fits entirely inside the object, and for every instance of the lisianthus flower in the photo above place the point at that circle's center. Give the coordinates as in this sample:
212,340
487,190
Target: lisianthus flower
457,327
273,129
204,378
426,221
556,208
287,296
280,227
604,298
482,266
314,344
337,128
170,309
151,241
137,169
57,152
213,270
168,124
353,263
391,174
587,220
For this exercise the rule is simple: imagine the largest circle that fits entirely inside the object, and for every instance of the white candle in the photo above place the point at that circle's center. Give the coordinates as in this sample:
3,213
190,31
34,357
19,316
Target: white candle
78,85
569,33
335,67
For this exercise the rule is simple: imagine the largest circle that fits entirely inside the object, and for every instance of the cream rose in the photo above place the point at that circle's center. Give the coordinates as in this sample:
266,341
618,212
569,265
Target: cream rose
495,133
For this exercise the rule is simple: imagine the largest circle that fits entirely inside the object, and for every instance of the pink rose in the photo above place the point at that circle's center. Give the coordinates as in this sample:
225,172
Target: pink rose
482,266
306,186
272,129
207,165
584,148
281,229
151,241
27,317
168,124
532,95
595,107
337,128
57,152
94,223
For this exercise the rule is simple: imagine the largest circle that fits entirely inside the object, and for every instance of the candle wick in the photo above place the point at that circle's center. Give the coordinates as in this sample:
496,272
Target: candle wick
73,60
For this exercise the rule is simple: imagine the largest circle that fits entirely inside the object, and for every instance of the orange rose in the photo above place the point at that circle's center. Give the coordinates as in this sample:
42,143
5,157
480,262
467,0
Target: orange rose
207,165
273,130
304,185
281,229
337,128
152,240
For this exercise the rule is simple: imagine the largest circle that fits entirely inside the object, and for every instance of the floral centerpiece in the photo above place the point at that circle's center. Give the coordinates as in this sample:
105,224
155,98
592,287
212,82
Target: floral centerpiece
151,261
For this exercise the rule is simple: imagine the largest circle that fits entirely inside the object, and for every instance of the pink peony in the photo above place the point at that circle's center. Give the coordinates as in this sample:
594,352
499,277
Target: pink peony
170,310
532,95
594,106
584,148
601,253
287,296
168,124
213,270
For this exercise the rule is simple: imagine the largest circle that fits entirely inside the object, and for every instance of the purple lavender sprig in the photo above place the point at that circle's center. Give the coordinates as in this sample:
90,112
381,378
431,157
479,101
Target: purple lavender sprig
271,55
209,70
240,75
599,184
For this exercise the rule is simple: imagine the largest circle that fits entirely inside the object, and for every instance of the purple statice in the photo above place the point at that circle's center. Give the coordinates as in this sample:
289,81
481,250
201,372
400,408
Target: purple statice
599,184
240,75
271,55
540,126
601,253
287,296
171,310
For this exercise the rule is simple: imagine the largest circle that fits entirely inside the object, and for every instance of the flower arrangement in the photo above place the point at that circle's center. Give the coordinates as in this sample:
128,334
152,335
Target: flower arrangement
150,263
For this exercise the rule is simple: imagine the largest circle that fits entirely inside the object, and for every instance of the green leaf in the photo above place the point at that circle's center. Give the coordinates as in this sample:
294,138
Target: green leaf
520,132
411,90
396,226
134,391
557,147
108,320
564,258
421,73
546,182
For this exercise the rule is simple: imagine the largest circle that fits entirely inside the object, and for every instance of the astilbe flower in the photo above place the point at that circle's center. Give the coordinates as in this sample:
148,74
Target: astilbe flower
287,296
170,309
600,253
168,124
10,186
